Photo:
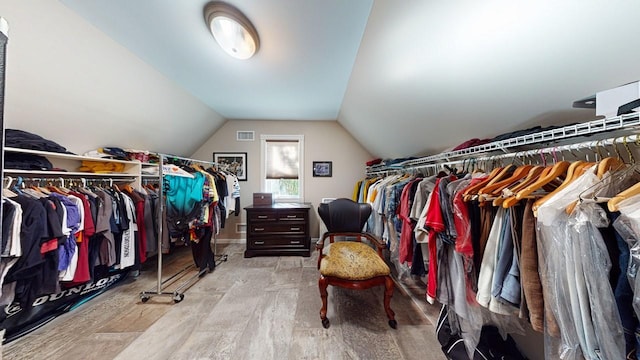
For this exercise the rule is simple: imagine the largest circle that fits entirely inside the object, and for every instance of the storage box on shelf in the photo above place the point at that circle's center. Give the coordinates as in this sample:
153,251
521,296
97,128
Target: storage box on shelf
609,101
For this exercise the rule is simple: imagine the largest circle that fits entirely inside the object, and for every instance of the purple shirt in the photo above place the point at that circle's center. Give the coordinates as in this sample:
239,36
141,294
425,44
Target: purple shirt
65,253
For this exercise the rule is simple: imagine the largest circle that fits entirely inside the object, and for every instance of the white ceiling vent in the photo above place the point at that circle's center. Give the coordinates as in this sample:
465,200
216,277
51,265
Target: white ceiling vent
245,135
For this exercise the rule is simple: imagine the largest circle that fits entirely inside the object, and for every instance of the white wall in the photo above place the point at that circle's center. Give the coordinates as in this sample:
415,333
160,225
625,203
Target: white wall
67,81
323,141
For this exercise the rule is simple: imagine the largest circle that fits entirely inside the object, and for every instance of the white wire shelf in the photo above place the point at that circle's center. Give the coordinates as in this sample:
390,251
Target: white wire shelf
46,173
565,132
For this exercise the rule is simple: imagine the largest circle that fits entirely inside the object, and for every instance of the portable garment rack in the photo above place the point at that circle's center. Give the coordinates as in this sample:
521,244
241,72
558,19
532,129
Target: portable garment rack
624,124
178,293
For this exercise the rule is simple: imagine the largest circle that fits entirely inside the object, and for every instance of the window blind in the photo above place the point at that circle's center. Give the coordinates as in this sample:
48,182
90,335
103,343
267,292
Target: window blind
282,159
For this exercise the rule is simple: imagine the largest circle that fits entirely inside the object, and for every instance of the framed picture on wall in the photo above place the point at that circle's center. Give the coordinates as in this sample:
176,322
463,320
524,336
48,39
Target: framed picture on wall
322,169
233,162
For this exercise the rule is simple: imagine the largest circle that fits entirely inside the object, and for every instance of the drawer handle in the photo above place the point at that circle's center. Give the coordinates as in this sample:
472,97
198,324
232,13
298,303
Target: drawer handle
259,242
259,229
291,216
295,242
262,216
295,229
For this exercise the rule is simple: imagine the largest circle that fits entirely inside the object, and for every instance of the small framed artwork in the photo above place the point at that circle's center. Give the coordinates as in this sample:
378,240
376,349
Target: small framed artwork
322,169
233,162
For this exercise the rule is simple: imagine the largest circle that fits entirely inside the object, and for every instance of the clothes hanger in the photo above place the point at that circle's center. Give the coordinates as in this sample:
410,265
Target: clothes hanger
574,170
36,192
483,196
9,180
608,165
634,190
5,190
35,185
509,194
114,186
613,203
534,174
16,188
60,190
123,187
493,176
85,189
496,188
33,192
555,171
494,192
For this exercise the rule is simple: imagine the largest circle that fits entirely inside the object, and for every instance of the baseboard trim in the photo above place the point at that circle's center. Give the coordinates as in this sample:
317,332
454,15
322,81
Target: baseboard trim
231,241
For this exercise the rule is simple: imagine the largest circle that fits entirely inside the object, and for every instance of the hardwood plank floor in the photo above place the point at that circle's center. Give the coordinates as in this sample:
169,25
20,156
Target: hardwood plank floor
257,308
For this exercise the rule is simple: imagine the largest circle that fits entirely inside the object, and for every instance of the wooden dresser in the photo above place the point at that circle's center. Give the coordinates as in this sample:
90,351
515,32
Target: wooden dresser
278,229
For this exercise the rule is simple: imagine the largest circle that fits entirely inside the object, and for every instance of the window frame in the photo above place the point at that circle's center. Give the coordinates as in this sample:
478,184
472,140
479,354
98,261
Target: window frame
263,165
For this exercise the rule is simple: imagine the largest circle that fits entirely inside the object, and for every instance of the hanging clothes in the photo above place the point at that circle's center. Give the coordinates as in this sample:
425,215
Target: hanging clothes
560,272
627,290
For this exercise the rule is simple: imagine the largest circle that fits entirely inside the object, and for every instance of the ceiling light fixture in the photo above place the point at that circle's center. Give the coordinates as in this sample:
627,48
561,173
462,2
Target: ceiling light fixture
232,30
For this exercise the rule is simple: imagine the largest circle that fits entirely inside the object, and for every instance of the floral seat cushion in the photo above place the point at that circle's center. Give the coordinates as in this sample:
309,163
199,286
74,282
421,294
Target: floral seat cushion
350,260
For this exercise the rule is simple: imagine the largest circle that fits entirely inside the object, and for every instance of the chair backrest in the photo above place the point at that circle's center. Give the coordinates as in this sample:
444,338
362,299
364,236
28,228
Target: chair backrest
344,215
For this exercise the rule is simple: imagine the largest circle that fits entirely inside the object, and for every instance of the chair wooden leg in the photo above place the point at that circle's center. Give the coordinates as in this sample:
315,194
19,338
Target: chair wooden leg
322,284
388,293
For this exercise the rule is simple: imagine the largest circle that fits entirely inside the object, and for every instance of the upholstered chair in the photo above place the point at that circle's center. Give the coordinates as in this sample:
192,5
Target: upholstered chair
351,262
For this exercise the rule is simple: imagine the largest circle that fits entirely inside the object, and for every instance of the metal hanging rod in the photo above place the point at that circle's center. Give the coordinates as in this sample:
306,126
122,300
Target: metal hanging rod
64,178
165,156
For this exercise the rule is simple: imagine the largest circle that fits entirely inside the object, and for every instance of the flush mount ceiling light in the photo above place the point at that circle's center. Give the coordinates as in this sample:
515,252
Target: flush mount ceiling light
232,30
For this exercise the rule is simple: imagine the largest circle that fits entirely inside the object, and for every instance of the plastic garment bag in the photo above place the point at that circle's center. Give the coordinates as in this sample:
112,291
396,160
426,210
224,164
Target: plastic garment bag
576,273
599,301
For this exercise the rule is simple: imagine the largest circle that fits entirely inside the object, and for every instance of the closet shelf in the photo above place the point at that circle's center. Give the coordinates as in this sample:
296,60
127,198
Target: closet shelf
68,156
68,165
66,173
570,131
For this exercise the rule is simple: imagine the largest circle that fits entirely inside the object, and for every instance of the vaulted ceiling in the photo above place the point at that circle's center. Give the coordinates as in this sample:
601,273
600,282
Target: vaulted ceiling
403,77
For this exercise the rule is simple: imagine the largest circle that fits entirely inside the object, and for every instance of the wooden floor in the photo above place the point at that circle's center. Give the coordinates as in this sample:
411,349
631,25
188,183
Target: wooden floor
257,308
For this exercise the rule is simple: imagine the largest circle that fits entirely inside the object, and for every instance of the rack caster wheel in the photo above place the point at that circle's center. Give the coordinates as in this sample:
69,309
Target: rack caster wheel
144,298
178,298
393,324
325,323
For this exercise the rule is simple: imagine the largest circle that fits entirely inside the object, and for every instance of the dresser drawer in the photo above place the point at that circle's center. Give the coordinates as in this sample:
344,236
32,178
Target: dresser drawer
263,216
292,216
277,228
280,242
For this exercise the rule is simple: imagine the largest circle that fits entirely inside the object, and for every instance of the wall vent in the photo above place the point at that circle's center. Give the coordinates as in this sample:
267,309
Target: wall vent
245,135
241,228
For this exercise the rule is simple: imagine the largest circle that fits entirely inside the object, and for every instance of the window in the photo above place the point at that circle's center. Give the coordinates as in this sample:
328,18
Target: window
281,166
